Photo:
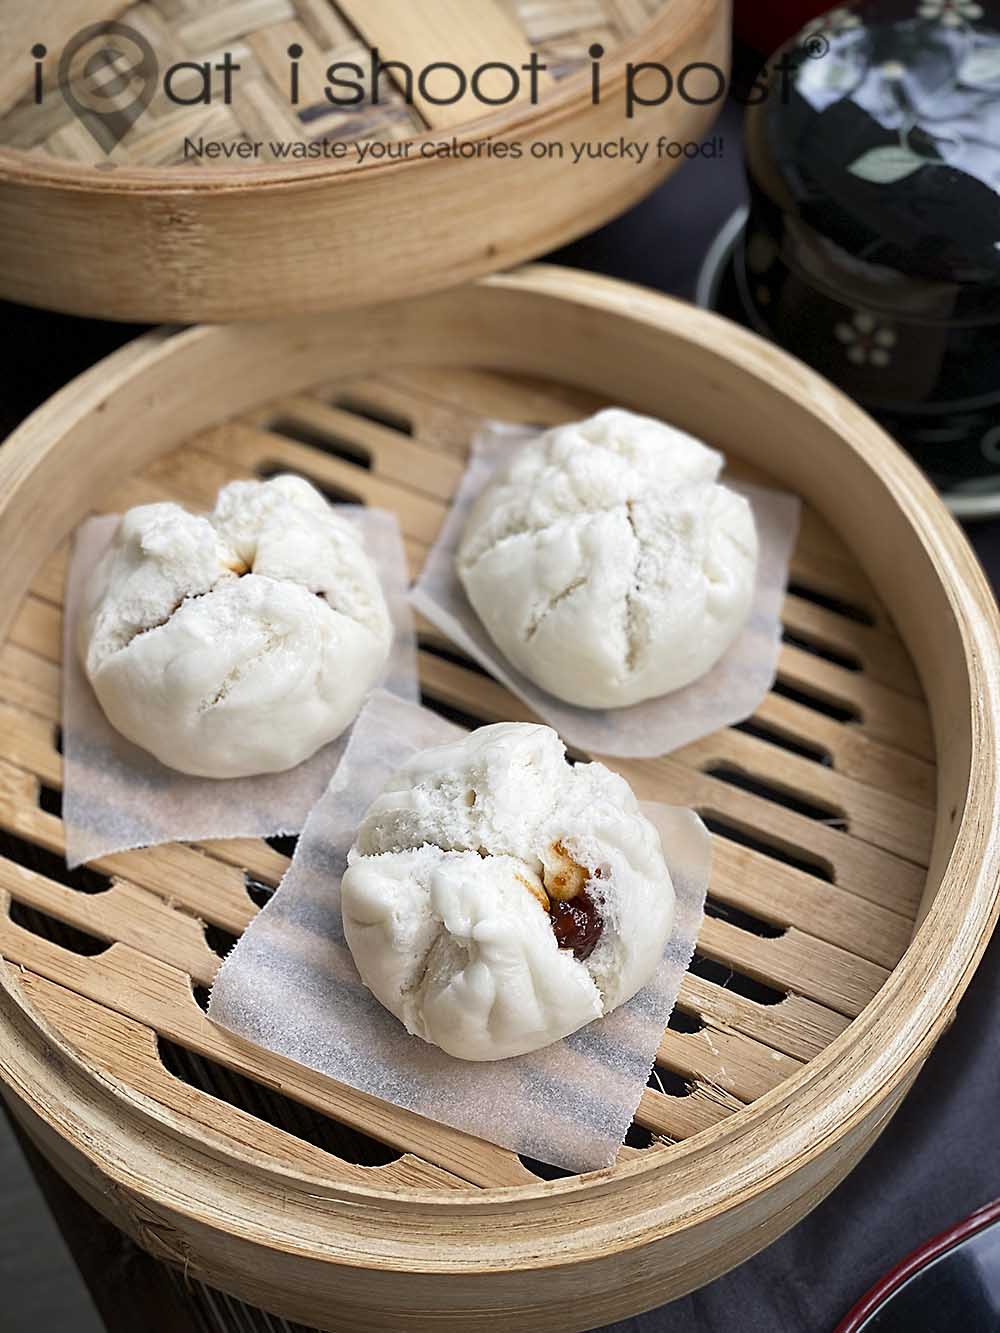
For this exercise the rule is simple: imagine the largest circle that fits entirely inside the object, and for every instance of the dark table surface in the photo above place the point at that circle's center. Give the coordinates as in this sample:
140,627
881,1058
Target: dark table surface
938,1160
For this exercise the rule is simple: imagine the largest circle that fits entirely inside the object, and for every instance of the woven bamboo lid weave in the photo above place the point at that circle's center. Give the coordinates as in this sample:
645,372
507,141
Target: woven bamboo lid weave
136,230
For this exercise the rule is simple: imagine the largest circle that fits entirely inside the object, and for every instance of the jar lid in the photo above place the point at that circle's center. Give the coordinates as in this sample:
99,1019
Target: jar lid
881,134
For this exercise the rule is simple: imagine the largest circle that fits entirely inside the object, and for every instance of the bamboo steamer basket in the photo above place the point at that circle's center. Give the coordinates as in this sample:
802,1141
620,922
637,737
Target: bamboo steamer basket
855,871
162,239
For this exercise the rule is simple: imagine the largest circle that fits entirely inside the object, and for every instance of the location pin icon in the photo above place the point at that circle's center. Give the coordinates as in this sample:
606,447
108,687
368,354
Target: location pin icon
107,75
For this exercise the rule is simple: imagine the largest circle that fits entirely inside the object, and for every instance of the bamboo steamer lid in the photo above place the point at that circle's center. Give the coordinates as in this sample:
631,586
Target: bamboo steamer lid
411,193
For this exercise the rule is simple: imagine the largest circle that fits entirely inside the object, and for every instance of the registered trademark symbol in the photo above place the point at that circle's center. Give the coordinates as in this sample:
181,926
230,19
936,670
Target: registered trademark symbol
817,46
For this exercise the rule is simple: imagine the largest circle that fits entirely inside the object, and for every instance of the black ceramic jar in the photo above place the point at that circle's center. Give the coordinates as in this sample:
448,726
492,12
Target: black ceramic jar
872,249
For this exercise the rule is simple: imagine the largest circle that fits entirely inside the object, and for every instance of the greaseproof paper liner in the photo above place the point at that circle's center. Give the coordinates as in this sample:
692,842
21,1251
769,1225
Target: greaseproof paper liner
117,796
729,693
290,984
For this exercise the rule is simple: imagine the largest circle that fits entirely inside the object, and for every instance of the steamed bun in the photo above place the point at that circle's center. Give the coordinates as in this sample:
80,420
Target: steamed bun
238,642
497,899
607,563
